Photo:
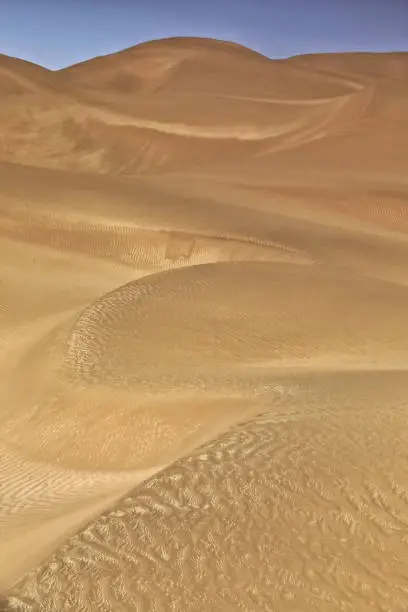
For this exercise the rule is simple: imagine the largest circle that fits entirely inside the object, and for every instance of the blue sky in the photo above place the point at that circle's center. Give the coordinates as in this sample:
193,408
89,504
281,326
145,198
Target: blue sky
56,33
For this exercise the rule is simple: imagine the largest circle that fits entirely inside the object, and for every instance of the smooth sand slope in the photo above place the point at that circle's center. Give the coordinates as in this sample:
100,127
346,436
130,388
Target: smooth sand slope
204,332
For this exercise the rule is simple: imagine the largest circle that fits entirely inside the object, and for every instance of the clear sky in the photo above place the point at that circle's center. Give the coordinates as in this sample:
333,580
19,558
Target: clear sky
56,33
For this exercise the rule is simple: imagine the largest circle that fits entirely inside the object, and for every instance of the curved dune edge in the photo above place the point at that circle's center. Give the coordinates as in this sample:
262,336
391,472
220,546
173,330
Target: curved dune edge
42,502
185,525
126,362
219,132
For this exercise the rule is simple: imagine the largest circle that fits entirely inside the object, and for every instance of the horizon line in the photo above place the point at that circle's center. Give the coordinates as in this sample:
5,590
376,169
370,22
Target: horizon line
208,38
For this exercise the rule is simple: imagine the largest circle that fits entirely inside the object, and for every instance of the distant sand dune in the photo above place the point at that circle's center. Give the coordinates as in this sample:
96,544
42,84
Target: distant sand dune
77,119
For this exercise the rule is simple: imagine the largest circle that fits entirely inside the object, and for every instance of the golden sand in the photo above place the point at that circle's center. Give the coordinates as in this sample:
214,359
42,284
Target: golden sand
204,332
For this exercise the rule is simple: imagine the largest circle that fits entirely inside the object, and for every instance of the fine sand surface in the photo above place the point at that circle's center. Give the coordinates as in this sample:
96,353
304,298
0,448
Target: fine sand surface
204,332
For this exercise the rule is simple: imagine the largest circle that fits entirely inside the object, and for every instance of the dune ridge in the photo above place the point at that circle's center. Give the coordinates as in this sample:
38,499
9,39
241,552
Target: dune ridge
70,119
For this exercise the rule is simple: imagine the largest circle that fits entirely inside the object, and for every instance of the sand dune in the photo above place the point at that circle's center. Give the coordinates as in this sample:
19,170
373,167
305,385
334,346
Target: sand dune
130,112
18,77
203,331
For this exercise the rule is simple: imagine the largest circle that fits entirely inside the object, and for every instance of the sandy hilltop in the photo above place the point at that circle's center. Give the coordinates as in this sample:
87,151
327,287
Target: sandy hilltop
204,332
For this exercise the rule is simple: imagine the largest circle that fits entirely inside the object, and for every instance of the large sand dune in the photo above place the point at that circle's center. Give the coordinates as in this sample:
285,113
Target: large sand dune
204,331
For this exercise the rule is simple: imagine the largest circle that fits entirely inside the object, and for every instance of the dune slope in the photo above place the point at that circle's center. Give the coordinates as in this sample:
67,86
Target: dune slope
203,332
131,112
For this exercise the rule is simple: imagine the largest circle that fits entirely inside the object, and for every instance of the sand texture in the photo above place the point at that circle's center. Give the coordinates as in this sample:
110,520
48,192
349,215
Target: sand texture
204,332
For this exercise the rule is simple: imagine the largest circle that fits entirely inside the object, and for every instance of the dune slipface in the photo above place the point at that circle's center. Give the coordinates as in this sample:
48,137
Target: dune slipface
203,332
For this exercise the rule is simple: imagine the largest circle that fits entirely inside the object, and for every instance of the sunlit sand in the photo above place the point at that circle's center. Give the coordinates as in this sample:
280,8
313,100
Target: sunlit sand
204,332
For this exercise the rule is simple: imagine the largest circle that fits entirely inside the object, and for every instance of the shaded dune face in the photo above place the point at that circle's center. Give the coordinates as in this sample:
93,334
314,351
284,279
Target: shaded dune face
203,332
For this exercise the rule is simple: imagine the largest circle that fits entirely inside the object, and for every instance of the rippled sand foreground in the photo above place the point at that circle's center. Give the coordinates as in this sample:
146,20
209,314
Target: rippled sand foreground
204,332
